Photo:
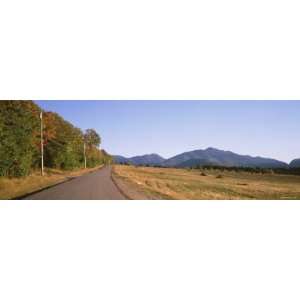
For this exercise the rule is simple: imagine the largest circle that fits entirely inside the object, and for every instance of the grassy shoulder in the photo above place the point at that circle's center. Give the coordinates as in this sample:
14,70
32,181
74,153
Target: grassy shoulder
11,188
169,183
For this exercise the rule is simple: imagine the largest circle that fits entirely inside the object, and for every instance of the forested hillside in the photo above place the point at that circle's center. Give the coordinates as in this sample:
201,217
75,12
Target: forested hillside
20,148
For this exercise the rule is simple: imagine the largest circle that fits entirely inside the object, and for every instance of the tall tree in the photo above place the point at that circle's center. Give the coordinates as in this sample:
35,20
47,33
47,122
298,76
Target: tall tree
94,155
92,138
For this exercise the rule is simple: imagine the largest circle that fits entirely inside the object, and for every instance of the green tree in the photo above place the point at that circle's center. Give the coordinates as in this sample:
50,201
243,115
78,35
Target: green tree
19,125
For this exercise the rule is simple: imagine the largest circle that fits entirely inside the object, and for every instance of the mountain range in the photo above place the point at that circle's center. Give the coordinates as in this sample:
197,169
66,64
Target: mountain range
148,159
209,156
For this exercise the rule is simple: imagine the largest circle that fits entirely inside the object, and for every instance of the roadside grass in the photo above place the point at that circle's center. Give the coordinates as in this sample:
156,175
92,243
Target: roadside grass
169,183
133,190
11,188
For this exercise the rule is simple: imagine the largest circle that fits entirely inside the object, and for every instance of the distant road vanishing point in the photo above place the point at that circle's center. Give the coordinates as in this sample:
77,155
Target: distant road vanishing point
97,185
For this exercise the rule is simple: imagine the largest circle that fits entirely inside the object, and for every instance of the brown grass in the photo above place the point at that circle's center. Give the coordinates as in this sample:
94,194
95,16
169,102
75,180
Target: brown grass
11,188
168,183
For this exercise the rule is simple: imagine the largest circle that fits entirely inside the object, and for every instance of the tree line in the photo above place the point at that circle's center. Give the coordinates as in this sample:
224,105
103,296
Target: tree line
20,141
255,170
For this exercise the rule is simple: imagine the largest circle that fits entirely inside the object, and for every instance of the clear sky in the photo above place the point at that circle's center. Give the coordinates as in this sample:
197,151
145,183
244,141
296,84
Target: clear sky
259,128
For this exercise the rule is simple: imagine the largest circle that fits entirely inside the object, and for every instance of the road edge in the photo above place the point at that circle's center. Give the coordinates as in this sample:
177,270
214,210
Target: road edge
129,189
117,185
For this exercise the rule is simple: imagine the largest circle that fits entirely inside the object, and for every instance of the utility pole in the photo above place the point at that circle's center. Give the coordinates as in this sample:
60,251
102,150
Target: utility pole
42,145
84,154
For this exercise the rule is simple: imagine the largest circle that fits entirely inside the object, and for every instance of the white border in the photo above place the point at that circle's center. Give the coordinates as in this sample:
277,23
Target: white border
149,50
149,250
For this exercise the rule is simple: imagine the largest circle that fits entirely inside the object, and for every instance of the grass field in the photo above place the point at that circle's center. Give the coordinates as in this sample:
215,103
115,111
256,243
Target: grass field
16,187
168,183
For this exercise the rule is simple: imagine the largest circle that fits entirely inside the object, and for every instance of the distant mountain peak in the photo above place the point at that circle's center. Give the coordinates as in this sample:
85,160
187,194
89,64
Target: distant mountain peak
295,163
212,149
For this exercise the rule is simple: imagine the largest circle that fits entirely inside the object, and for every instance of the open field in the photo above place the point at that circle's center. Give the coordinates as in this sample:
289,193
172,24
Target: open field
15,187
169,183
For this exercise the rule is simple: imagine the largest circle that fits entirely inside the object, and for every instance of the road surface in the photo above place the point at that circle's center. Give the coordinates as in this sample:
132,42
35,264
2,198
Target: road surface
92,186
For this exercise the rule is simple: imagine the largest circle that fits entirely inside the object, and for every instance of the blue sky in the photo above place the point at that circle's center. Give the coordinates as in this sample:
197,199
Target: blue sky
259,128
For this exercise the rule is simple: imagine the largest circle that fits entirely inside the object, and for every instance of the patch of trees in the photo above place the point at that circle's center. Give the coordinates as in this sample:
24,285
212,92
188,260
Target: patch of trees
290,171
63,143
125,163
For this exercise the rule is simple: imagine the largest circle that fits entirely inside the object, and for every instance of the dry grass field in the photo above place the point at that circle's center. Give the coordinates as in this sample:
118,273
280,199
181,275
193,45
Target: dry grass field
16,187
168,183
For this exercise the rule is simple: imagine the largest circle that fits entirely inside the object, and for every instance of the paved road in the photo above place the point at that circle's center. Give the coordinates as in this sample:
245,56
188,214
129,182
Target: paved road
96,185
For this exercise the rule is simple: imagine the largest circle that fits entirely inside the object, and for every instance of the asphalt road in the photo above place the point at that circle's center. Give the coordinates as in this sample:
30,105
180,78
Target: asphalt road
93,186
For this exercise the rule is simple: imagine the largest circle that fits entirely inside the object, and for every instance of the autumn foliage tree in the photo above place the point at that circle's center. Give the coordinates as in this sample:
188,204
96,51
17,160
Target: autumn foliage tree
92,138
